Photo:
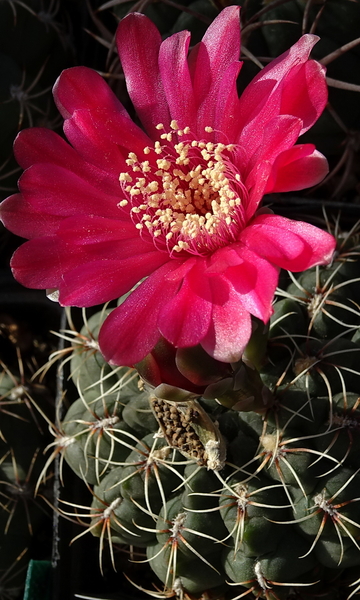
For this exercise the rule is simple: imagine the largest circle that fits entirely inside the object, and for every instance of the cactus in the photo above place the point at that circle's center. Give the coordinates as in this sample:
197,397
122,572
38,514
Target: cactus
226,503
243,480
34,46
25,519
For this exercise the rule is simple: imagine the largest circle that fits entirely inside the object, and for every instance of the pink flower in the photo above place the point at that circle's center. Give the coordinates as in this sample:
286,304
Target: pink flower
177,202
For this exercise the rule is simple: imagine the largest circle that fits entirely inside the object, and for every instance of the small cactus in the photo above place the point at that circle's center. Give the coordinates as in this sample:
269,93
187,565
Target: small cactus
276,514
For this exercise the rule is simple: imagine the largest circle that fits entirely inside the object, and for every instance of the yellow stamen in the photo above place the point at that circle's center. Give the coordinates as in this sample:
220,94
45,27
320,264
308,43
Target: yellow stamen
188,195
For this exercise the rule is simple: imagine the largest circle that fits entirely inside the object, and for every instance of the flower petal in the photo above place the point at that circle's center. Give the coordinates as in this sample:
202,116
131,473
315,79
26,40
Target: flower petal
225,117
280,134
103,280
219,48
33,265
83,133
138,42
90,260
130,331
256,184
176,79
59,192
96,124
311,93
40,145
80,87
23,220
230,326
262,100
255,280
105,138
298,168
185,319
291,245
99,236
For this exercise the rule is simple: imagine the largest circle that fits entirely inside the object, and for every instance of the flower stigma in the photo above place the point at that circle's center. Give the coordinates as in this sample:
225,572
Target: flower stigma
187,193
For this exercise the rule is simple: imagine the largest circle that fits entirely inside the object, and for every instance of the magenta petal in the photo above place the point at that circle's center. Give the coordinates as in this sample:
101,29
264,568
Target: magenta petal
262,100
114,128
255,280
33,264
225,116
221,42
79,245
103,280
176,79
105,138
59,192
94,238
200,73
311,94
185,319
218,50
87,274
256,184
40,145
291,245
79,88
280,134
298,168
43,262
23,220
181,271
138,42
130,331
224,258
251,276
83,133
230,326
275,71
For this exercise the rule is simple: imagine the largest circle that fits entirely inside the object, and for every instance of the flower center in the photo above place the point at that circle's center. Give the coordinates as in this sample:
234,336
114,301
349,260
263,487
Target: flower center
187,195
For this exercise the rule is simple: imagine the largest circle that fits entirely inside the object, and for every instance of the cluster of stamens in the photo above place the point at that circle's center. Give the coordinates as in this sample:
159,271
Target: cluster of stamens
176,426
187,194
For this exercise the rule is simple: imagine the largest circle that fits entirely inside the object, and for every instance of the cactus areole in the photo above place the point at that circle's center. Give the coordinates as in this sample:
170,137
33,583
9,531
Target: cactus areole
176,203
